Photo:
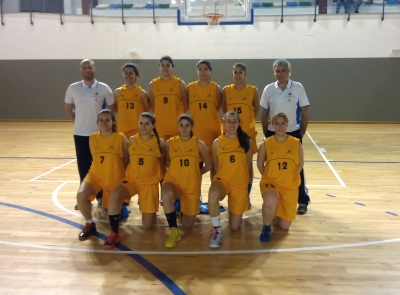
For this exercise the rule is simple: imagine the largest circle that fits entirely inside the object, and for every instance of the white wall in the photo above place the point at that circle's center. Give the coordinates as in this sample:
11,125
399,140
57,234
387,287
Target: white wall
298,37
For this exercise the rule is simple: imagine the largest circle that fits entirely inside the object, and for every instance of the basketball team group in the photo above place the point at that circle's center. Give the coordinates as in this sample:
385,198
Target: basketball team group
171,135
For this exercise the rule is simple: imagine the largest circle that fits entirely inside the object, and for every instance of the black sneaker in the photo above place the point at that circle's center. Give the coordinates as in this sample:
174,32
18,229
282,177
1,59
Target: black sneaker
302,209
88,230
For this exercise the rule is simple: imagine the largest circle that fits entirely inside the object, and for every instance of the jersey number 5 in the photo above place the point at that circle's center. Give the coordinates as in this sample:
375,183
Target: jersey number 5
141,161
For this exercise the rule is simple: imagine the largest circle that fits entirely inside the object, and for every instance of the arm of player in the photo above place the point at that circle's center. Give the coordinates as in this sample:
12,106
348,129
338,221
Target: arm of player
223,101
301,157
215,156
218,96
206,159
112,107
185,97
304,120
249,158
151,97
256,102
145,100
125,153
261,158
116,94
69,109
264,120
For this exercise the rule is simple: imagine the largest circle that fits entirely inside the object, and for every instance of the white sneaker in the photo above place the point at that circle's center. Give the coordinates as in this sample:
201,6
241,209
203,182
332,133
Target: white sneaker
216,239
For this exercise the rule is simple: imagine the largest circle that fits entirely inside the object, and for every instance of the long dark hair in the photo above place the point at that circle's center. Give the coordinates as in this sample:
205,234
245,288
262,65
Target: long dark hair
152,119
132,66
189,118
244,139
114,121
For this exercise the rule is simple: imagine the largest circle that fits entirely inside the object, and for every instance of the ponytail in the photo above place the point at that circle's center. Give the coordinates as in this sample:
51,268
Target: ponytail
244,139
158,138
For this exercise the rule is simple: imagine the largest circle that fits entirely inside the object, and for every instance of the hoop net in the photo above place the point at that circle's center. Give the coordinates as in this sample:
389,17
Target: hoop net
213,19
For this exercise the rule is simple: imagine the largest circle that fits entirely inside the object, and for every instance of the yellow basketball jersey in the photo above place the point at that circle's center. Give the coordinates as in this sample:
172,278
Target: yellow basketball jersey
241,101
130,106
203,106
282,161
184,164
144,166
168,105
107,165
232,162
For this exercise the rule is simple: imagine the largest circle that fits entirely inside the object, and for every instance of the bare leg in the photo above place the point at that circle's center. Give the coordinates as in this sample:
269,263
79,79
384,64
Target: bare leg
188,221
270,198
148,220
82,197
119,193
235,220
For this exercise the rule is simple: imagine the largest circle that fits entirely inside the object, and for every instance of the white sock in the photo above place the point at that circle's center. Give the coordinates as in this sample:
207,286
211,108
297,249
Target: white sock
89,221
215,221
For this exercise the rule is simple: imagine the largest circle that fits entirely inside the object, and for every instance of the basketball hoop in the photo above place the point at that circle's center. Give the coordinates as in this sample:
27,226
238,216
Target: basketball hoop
213,18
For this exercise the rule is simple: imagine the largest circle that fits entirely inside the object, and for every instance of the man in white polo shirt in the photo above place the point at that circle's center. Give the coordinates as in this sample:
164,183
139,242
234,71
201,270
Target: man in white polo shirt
289,97
83,101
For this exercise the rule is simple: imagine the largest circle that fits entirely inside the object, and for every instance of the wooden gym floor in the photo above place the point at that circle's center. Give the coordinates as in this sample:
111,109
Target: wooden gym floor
348,242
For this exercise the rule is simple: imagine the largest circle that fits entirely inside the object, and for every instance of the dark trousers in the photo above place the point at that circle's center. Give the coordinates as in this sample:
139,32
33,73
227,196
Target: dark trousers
84,158
303,195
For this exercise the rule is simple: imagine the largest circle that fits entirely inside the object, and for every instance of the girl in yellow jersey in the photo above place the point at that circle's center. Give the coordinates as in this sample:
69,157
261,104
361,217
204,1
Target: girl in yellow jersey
279,160
168,99
109,151
131,100
204,104
143,175
232,160
245,100
183,177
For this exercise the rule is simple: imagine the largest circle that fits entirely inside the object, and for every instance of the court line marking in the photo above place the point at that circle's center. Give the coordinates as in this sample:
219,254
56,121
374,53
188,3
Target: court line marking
162,277
54,169
362,132
326,160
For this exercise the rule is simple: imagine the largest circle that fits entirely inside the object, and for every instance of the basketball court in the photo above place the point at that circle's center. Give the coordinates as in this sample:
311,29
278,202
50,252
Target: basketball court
347,243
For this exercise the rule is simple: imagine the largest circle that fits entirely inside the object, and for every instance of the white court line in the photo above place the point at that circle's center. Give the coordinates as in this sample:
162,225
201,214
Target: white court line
326,160
54,169
42,180
58,204
361,132
208,252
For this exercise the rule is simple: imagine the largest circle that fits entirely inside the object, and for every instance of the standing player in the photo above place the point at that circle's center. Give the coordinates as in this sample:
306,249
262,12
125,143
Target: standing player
168,99
183,177
289,97
232,159
243,99
204,104
109,151
143,175
83,101
131,100
279,160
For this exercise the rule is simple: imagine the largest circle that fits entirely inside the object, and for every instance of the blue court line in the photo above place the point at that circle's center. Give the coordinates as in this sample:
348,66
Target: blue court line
138,258
391,213
41,158
361,204
332,196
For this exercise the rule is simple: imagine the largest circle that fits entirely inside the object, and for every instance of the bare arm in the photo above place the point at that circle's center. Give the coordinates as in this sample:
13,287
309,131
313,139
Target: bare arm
112,107
215,157
69,109
206,159
145,100
185,98
304,120
219,97
261,158
116,94
264,121
301,156
166,155
125,152
256,102
249,158
223,100
151,96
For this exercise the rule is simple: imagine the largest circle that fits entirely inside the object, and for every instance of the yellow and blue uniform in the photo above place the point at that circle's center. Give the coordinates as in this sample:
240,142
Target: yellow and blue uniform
233,173
203,106
241,101
184,172
168,105
130,106
281,174
144,173
107,168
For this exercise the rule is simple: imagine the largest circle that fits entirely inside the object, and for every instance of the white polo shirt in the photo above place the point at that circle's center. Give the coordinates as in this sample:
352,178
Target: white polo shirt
88,102
288,101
